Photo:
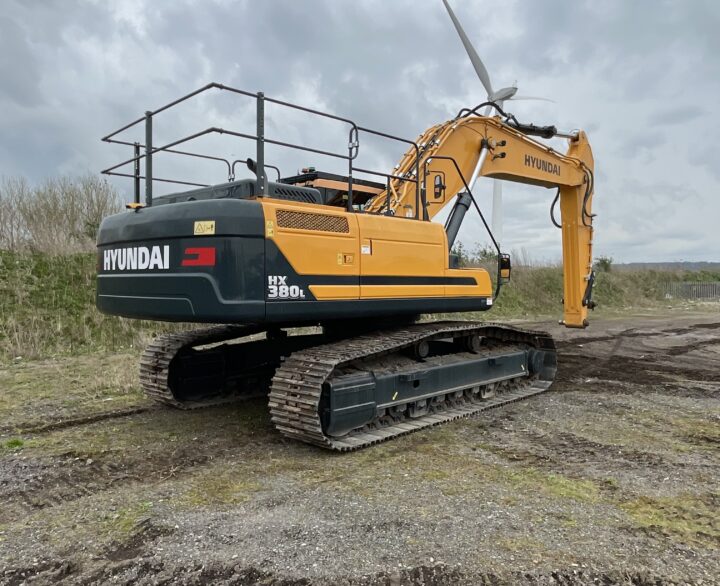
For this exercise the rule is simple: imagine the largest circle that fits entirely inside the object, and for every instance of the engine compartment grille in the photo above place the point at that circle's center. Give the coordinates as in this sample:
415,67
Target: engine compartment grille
309,221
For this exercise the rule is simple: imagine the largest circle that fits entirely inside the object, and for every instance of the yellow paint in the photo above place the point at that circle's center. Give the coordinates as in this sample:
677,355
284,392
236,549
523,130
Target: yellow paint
513,157
204,228
334,292
395,246
399,247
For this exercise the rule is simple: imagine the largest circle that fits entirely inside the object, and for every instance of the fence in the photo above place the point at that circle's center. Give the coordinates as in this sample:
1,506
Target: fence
692,290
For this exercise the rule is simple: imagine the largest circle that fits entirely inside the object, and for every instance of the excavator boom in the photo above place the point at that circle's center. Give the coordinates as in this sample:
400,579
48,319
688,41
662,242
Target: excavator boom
454,154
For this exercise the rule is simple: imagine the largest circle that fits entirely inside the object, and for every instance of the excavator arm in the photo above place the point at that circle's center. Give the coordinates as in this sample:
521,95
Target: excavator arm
452,155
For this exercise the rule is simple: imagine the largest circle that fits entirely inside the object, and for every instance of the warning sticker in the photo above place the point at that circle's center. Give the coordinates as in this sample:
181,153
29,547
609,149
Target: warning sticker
204,228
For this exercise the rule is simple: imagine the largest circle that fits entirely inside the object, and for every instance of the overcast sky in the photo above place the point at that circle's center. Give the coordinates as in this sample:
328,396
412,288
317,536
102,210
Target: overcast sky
641,77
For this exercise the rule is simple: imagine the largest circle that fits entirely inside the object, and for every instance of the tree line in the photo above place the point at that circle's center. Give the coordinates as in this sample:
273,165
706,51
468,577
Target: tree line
58,216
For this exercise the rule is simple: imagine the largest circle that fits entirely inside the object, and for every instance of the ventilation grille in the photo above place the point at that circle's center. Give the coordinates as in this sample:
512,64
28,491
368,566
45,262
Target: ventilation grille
294,194
305,221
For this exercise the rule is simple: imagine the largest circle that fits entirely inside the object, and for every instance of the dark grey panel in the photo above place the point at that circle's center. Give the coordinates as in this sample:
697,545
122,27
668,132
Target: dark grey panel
243,189
232,218
173,297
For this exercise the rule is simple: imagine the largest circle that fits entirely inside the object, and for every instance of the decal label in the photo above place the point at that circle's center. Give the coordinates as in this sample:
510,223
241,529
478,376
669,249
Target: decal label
277,288
204,228
136,258
542,165
269,228
199,257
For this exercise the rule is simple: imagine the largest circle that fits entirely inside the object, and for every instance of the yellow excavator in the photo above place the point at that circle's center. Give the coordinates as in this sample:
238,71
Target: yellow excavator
360,258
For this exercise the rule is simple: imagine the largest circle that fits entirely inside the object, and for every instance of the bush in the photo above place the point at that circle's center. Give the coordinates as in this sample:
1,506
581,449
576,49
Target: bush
61,216
603,264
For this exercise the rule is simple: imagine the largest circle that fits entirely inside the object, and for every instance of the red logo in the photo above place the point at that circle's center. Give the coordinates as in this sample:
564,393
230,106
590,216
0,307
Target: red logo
199,257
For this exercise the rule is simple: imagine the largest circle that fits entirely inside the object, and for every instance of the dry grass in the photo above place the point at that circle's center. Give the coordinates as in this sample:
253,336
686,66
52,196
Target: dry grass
47,308
47,303
60,216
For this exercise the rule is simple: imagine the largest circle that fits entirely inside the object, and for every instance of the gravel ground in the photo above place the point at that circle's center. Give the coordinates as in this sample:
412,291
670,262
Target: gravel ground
612,477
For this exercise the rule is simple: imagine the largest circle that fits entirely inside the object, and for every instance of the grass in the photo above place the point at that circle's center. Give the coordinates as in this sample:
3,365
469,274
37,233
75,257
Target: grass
68,387
47,303
693,519
124,522
13,444
219,486
47,307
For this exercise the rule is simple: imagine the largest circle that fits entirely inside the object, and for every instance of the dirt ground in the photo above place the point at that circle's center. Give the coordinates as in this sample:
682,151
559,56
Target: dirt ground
611,477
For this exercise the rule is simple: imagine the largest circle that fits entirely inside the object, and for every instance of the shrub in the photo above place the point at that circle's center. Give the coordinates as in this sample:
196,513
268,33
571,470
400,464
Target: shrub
60,216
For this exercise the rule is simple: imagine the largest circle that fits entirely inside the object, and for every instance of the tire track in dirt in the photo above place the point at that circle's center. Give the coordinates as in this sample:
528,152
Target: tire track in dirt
83,420
29,485
153,571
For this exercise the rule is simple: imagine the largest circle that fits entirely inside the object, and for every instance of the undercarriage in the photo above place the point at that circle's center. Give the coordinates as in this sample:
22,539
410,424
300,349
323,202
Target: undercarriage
347,393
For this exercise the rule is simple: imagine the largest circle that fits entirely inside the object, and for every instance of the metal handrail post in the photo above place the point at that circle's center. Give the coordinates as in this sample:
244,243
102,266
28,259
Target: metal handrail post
260,142
418,202
353,149
148,158
136,173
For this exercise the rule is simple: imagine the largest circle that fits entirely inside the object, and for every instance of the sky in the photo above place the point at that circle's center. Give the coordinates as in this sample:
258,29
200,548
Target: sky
642,78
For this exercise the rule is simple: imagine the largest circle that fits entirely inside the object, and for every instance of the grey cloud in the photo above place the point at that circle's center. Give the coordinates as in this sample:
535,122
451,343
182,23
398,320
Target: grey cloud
641,78
19,69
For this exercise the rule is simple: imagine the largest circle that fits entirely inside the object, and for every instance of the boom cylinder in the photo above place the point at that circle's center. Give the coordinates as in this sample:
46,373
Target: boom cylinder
462,205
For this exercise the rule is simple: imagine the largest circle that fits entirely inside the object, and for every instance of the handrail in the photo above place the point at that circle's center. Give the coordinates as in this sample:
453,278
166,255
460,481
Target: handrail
419,191
477,207
260,140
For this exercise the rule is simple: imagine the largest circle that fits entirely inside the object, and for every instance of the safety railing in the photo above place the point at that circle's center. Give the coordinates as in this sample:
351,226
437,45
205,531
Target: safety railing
145,152
697,290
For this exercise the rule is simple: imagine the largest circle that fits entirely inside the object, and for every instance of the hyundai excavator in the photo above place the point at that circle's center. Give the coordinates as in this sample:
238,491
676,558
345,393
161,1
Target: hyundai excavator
361,258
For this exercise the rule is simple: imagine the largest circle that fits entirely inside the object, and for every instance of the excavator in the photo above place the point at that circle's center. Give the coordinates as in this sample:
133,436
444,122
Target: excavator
316,281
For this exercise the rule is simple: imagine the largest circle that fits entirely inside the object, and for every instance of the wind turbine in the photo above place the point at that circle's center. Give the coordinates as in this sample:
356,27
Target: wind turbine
499,97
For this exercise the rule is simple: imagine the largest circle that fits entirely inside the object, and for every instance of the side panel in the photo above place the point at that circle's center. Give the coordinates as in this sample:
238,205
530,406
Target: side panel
404,250
313,249
481,288
320,261
151,264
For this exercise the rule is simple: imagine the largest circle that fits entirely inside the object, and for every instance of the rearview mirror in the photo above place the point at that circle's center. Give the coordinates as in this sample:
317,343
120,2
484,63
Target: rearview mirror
505,268
439,190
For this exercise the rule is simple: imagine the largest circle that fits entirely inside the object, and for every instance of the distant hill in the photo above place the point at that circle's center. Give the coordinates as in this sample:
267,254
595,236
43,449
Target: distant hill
669,266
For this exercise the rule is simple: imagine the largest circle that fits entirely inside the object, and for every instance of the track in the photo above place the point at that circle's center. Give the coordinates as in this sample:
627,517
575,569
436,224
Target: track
173,371
160,362
297,387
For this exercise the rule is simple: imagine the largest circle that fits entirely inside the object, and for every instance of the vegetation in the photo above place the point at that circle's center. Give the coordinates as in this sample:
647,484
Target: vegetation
603,264
47,302
47,307
47,274
60,216
687,518
537,290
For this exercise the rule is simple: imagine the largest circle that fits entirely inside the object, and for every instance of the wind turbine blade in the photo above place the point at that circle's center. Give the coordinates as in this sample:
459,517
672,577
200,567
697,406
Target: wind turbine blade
474,57
533,98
